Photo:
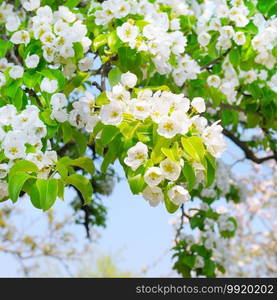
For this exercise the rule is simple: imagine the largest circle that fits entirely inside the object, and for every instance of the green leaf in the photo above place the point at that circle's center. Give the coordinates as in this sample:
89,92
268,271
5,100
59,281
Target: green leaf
78,50
16,183
67,132
76,82
264,6
156,154
130,59
48,192
102,99
5,46
189,260
35,197
129,128
109,132
99,41
170,206
114,41
109,158
209,268
31,78
61,187
189,175
114,76
234,56
81,141
62,169
216,95
229,234
46,118
84,163
12,89
54,74
71,3
253,119
17,100
171,153
194,147
197,221
210,173
201,250
136,183
23,166
82,184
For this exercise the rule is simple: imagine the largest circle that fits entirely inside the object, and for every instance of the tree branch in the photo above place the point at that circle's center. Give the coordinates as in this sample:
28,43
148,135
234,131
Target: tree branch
178,232
249,154
85,209
215,61
97,85
104,74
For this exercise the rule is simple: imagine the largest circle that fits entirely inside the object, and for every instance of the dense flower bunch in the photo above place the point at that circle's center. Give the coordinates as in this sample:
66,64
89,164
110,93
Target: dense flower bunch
211,226
173,116
19,130
156,34
21,136
59,35
257,245
160,35
256,44
210,248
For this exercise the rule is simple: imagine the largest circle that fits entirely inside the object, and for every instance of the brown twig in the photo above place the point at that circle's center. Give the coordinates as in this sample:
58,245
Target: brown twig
249,154
215,61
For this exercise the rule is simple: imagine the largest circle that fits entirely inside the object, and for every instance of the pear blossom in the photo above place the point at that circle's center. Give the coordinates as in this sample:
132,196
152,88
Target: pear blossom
170,169
240,38
178,195
127,33
129,80
154,195
198,104
204,39
58,101
2,79
214,80
111,114
4,168
32,61
153,176
16,72
20,37
137,155
168,127
49,86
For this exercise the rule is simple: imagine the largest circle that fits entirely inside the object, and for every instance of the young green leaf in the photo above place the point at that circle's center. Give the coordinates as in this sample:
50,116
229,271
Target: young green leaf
23,166
48,192
16,183
82,184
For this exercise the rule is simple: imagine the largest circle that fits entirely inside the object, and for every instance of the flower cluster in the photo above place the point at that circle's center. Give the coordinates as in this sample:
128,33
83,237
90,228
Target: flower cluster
211,240
212,26
223,181
210,244
21,135
160,35
174,115
265,41
13,71
58,32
